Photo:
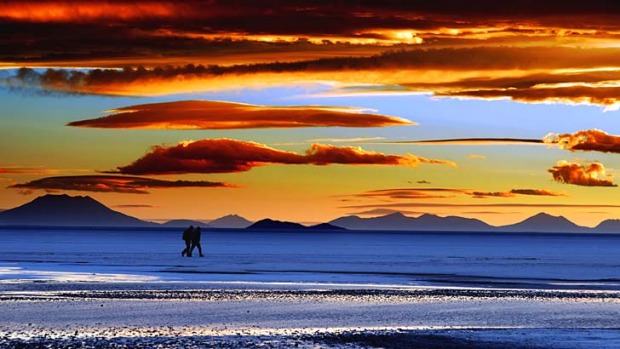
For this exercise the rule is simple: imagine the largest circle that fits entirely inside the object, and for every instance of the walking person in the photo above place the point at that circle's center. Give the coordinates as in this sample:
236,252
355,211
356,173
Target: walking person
196,242
187,237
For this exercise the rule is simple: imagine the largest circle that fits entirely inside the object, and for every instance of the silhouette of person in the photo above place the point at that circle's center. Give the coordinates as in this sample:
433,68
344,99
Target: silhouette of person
196,242
187,237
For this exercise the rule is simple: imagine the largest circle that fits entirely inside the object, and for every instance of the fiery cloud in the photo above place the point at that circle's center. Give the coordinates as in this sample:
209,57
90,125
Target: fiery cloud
526,52
227,155
608,96
531,74
591,175
110,184
587,140
216,115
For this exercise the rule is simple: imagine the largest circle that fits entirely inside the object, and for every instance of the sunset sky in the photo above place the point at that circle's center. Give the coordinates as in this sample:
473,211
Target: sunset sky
306,112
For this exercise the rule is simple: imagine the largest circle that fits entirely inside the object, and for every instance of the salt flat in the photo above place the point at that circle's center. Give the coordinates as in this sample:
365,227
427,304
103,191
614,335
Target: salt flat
276,316
115,289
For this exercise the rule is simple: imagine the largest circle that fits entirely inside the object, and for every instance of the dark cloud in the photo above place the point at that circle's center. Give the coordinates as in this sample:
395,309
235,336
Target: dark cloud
383,212
226,115
590,175
471,141
422,205
111,184
515,192
227,155
536,192
587,140
483,194
23,170
82,30
412,193
443,193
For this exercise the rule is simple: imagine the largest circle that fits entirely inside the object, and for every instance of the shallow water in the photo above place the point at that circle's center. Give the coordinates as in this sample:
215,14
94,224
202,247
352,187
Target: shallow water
448,259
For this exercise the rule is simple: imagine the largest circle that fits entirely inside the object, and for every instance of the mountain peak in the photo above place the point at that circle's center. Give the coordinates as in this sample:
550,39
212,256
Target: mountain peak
268,223
543,216
396,215
544,222
66,210
230,221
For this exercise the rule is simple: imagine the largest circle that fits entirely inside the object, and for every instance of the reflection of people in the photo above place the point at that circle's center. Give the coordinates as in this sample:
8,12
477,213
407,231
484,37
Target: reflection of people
187,237
196,242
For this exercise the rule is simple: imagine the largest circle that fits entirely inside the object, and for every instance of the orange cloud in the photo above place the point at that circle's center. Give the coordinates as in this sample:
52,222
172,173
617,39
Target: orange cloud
227,155
110,184
573,94
86,11
587,140
482,72
592,175
226,115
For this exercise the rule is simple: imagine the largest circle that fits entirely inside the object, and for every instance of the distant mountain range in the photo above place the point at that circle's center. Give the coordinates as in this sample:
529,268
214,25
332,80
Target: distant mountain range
65,210
425,222
540,223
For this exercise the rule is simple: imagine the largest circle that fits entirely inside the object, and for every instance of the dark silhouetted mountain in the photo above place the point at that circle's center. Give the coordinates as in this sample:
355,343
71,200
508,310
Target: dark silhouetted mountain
425,222
325,226
350,222
272,224
65,210
608,226
231,221
183,223
544,223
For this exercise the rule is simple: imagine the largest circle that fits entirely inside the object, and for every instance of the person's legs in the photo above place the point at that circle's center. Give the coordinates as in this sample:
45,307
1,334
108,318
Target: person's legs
186,251
199,249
